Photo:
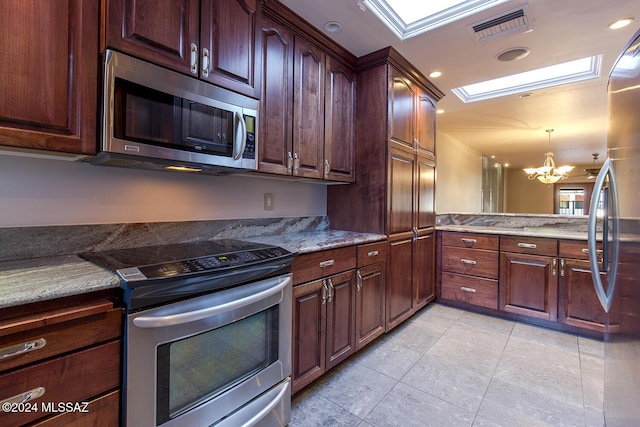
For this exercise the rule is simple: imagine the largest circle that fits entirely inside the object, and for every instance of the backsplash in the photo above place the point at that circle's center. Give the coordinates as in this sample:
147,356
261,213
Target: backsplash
34,242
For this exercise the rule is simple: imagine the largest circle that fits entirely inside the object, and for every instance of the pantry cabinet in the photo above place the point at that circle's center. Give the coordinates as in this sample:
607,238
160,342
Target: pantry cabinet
214,40
49,72
394,192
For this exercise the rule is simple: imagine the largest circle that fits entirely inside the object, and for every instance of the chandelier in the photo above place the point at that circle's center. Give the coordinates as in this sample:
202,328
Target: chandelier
548,173
593,172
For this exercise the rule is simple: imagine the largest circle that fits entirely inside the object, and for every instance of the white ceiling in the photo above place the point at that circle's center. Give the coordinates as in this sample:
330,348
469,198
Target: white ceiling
511,128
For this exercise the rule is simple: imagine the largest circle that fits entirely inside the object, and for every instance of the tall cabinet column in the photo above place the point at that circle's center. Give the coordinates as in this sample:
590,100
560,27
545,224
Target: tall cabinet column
395,177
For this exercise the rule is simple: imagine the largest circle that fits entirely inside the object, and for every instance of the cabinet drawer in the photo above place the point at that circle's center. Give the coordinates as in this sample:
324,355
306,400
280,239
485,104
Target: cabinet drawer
529,245
472,262
470,240
307,267
472,290
372,253
90,324
76,377
577,249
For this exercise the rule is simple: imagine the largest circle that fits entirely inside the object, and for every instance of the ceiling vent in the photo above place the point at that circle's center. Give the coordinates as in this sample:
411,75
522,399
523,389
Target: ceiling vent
515,21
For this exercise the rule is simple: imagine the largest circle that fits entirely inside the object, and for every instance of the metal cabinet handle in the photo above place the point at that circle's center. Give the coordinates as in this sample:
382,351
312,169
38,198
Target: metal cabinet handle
372,253
325,291
554,265
331,290
359,280
25,347
23,397
465,289
205,62
468,261
296,163
289,162
194,58
466,240
586,251
562,267
327,167
527,245
327,263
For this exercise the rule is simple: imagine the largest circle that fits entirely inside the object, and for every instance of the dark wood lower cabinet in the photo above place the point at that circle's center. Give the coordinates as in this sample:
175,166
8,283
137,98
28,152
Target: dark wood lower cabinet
323,326
370,303
528,285
400,290
424,267
578,304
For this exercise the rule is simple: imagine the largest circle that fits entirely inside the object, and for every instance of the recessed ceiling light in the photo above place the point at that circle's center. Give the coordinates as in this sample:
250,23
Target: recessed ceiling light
333,27
513,54
435,74
439,111
620,23
526,95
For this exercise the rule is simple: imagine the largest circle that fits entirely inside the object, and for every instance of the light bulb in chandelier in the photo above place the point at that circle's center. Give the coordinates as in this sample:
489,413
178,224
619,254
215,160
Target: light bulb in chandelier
548,173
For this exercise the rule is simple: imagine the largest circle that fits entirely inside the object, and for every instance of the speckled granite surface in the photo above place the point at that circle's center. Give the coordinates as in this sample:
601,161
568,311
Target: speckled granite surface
47,277
532,225
40,279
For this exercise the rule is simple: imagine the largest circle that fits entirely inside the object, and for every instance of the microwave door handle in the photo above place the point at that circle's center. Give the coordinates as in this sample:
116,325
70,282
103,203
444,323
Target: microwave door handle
241,137
192,316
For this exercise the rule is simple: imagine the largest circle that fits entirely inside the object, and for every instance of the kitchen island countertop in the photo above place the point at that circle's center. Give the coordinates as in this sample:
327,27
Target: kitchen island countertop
41,279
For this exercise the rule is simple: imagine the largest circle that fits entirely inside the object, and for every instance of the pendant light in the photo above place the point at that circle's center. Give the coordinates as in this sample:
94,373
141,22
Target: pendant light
591,173
548,173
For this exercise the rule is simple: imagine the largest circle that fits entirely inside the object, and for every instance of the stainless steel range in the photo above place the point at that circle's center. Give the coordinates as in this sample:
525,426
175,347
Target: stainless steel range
208,333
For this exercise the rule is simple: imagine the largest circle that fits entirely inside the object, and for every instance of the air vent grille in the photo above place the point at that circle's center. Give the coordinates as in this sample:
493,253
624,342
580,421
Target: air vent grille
512,22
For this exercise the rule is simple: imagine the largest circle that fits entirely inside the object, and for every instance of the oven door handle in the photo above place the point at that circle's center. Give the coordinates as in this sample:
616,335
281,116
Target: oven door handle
192,316
269,407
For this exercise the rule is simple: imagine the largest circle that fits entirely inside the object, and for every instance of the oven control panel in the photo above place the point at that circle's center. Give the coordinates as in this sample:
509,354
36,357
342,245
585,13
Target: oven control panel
205,264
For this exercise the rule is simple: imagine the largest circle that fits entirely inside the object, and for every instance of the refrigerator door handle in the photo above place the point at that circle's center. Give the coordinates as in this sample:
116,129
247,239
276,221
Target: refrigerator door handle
605,296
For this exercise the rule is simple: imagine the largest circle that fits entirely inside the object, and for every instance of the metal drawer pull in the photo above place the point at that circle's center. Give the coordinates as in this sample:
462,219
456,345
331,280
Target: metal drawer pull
373,253
468,261
23,397
586,251
465,289
465,240
327,263
25,347
527,245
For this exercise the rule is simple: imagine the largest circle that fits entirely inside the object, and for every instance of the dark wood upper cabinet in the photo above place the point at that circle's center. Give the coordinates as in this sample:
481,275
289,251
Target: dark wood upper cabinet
276,100
425,123
49,71
214,40
402,110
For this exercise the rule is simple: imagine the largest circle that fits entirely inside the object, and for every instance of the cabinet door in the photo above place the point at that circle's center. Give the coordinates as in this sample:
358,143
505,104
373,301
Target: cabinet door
276,100
229,35
424,268
49,72
425,124
402,110
341,307
308,110
400,291
160,32
528,285
339,124
309,320
370,303
425,192
400,197
578,304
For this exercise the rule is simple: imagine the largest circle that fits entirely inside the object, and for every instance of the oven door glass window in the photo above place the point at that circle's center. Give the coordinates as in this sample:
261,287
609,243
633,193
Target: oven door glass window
198,368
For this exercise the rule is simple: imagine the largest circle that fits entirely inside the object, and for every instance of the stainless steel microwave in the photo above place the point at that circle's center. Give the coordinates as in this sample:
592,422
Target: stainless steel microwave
156,118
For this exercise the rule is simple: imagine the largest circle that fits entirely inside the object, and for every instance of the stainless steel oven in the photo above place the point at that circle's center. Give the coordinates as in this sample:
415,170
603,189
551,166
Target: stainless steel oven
207,338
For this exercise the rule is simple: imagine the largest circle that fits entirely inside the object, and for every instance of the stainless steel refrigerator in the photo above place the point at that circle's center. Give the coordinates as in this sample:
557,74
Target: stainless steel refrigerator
617,206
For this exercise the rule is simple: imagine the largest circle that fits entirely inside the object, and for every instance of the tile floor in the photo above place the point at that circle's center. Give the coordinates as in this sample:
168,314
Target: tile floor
449,367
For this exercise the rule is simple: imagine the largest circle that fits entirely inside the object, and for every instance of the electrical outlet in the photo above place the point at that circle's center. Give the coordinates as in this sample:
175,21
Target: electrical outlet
268,201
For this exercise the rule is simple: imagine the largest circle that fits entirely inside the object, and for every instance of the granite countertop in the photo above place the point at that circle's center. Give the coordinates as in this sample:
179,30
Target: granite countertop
548,232
41,279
